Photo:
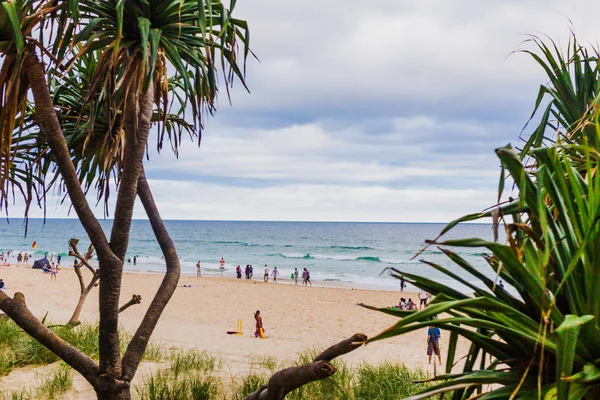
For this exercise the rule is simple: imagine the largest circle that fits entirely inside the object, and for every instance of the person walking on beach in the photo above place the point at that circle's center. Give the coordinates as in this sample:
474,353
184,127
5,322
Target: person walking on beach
238,272
198,270
266,275
433,344
423,296
260,330
306,276
134,260
247,271
402,283
296,276
251,271
275,273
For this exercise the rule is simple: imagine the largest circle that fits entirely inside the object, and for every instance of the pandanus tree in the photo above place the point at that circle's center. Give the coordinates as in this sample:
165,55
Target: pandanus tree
142,58
538,338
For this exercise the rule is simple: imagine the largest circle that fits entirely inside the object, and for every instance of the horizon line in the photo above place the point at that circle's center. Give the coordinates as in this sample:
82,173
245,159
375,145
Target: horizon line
250,220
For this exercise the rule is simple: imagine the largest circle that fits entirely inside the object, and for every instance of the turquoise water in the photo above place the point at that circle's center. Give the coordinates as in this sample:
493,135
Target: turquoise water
341,253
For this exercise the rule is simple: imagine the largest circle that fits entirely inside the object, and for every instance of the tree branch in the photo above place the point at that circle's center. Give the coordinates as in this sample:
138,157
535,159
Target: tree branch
137,119
77,269
286,380
83,260
138,344
50,126
135,299
17,310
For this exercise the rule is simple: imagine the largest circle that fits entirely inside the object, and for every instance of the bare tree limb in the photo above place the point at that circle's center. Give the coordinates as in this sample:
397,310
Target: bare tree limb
286,380
84,291
83,259
17,310
137,346
135,299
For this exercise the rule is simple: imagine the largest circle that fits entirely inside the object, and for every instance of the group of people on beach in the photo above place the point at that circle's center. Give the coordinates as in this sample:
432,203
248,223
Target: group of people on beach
410,305
248,272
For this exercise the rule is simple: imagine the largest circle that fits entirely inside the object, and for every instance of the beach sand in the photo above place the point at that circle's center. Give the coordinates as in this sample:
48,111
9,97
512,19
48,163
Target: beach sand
296,318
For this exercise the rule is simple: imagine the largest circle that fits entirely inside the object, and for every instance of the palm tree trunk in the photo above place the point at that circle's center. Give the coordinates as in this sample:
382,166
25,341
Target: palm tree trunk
138,343
138,114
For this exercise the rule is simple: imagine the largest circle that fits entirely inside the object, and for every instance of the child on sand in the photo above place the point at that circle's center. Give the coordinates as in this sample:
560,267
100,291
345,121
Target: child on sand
53,271
275,273
260,330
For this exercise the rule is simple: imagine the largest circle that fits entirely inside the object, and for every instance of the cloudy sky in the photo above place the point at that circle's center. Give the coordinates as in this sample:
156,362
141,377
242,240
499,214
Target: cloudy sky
385,110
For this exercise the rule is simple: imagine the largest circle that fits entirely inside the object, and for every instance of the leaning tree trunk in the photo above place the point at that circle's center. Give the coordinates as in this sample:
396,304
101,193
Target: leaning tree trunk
289,379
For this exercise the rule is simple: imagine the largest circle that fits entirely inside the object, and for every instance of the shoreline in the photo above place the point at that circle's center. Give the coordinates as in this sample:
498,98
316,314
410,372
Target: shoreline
217,275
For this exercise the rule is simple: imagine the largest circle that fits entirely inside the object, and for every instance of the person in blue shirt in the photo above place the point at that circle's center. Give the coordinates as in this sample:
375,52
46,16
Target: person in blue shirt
433,344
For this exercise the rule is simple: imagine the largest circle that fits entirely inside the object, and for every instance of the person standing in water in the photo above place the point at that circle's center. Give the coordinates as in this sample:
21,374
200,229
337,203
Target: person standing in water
198,270
275,273
402,283
260,330
296,276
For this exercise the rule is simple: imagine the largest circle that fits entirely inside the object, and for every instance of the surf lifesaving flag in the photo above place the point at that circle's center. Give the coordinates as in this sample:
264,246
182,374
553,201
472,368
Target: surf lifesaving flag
34,245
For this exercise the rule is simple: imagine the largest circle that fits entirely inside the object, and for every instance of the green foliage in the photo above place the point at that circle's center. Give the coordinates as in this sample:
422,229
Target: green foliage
57,383
98,53
540,337
20,394
17,349
269,363
188,376
388,381
182,362
569,97
250,383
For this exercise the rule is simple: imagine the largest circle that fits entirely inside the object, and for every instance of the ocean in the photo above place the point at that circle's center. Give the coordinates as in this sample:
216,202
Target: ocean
336,253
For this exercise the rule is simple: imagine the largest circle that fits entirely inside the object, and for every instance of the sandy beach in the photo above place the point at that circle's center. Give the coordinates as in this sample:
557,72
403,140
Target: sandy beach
296,318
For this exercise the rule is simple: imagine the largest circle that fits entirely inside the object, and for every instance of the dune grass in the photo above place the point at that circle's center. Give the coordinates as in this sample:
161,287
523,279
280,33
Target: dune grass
58,382
189,375
18,349
385,381
193,374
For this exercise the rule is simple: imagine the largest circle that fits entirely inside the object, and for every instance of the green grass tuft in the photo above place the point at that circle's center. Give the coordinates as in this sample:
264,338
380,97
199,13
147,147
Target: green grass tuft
58,382
250,383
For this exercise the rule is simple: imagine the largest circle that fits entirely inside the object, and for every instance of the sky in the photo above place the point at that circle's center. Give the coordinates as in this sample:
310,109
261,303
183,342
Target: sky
386,110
